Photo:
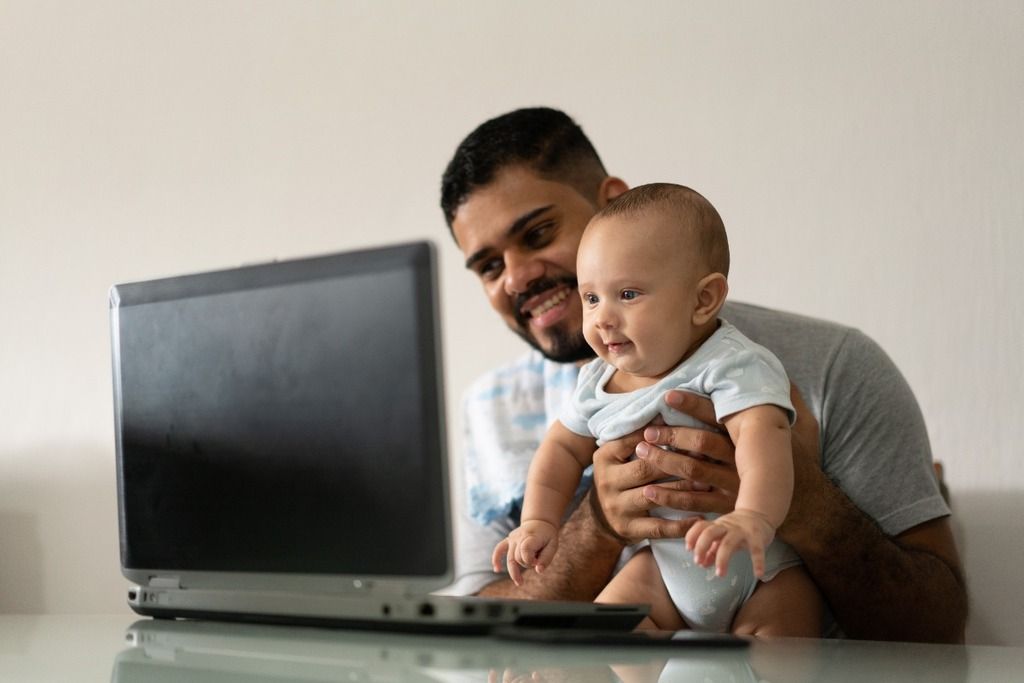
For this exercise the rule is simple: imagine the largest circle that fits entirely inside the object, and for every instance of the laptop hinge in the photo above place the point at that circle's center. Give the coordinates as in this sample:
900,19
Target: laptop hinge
164,582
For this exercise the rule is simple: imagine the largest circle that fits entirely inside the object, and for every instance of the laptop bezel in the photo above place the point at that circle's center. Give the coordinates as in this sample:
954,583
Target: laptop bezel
421,257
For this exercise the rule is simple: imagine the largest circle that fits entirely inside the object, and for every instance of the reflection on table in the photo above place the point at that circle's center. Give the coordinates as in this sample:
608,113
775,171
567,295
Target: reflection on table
86,648
206,651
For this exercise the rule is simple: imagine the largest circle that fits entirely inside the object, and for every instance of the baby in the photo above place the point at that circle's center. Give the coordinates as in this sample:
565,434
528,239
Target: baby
652,269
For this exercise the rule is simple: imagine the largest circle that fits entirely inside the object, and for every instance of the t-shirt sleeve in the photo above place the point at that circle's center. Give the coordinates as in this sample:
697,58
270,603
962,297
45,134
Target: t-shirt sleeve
876,443
573,420
474,543
746,378
481,518
574,414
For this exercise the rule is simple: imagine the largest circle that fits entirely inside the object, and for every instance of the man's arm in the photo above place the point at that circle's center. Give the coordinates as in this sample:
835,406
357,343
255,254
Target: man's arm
907,587
587,554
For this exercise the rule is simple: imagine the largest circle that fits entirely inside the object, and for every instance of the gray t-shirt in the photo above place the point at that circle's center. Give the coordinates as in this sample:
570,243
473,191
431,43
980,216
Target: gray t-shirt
873,440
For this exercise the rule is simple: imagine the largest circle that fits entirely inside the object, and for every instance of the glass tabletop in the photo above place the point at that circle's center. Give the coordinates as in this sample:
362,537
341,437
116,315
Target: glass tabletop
126,650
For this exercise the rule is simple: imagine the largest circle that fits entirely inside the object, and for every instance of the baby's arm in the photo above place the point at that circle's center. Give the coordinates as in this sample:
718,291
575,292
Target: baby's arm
764,462
553,477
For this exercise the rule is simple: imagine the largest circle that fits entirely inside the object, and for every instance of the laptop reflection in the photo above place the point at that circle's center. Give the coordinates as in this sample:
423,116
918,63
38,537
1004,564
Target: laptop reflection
161,650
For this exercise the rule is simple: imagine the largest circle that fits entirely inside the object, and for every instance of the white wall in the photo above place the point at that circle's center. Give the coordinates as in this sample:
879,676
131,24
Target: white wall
867,158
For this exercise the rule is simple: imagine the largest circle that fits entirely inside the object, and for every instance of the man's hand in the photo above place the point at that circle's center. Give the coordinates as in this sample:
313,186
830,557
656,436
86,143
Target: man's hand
708,482
533,544
701,460
715,542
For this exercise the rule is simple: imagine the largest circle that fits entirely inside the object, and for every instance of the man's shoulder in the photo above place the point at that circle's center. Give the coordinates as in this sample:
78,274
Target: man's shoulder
759,321
809,348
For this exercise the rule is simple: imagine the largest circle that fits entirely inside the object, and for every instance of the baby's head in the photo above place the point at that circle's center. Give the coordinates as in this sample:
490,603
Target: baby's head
652,269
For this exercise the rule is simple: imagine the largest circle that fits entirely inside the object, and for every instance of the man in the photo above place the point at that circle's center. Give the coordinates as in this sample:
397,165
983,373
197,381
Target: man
866,518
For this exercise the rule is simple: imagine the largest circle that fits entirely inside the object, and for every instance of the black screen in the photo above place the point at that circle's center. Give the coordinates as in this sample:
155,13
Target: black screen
283,418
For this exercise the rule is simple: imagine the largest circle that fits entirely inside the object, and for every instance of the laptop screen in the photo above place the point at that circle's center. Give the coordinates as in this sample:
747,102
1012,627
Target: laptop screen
284,418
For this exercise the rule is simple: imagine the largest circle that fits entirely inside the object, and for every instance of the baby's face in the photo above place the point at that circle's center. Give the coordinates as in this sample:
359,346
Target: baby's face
638,286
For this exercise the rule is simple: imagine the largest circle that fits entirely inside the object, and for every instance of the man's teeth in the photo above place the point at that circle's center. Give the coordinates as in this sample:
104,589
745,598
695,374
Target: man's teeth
549,304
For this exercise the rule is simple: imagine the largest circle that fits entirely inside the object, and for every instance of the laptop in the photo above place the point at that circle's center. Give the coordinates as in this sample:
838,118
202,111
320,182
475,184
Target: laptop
281,449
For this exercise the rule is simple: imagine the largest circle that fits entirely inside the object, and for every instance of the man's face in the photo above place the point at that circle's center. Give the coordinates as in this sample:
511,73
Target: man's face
520,234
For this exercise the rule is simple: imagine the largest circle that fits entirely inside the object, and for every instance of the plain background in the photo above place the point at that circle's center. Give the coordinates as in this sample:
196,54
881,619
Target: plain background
866,157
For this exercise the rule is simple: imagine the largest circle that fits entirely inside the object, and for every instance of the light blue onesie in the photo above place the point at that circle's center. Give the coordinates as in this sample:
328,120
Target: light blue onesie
736,374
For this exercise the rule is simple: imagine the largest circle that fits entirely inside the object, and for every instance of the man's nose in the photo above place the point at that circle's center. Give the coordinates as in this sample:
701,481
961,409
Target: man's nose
521,270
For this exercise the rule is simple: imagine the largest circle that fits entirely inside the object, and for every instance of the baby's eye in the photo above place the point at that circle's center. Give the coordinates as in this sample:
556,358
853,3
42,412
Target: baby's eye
590,298
629,294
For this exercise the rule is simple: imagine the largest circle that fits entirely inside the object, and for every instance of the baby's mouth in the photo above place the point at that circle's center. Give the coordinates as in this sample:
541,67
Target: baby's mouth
617,347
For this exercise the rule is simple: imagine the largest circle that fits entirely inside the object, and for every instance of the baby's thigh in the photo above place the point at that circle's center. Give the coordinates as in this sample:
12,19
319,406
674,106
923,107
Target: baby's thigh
788,605
640,581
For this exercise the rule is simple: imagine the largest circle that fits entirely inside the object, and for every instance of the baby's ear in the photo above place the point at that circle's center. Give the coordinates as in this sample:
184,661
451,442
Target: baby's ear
711,293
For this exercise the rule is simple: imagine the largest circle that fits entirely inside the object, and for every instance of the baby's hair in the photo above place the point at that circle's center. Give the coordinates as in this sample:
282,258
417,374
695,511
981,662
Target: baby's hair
690,208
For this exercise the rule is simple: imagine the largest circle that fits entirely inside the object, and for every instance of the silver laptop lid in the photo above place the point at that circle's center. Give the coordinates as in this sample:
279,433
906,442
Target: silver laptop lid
281,426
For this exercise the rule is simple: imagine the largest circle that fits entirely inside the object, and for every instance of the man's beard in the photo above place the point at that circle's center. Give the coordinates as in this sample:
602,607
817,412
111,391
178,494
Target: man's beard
566,346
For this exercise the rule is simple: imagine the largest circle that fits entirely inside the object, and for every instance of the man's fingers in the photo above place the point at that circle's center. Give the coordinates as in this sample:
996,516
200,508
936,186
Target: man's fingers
667,495
620,450
654,527
698,407
693,441
624,475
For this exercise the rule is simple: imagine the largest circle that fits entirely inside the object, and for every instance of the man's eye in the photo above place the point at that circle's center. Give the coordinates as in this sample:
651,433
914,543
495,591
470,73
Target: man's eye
629,294
489,270
539,235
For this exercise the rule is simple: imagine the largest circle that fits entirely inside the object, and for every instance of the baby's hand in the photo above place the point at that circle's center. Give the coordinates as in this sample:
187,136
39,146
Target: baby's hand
715,541
533,544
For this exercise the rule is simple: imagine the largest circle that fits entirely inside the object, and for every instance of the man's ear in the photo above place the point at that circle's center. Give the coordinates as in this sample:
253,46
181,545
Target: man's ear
611,187
711,293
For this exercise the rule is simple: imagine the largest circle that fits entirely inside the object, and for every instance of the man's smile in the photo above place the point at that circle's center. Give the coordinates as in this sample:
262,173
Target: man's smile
541,310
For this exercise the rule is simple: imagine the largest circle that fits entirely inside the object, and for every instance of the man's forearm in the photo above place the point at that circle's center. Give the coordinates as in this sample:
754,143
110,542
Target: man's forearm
879,587
586,556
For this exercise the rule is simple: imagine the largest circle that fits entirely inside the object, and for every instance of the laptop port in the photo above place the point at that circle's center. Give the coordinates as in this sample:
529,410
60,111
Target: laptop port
426,610
386,610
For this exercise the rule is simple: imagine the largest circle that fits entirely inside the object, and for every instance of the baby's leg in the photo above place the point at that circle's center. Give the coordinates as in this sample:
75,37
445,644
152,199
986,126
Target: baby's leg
788,605
640,581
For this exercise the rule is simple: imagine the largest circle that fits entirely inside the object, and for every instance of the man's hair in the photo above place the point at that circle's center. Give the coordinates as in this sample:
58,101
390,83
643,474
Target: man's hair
685,205
544,140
